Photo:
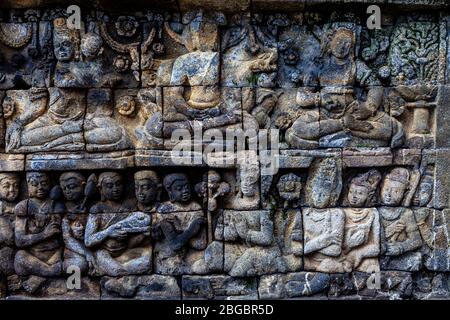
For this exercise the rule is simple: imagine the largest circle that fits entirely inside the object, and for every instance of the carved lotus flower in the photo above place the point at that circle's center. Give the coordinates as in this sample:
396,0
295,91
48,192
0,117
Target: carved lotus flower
121,63
126,106
126,26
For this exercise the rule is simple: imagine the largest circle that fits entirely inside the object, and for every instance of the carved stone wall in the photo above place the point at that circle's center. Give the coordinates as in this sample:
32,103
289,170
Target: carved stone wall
360,205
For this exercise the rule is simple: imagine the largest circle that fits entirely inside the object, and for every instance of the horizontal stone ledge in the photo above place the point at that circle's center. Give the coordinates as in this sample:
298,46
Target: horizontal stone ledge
220,5
287,158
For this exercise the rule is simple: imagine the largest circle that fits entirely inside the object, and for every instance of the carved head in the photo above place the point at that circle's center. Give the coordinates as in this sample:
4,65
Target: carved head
72,185
38,184
362,190
64,50
178,187
64,42
91,45
395,184
9,186
339,43
424,192
289,187
324,183
146,186
110,185
342,43
249,174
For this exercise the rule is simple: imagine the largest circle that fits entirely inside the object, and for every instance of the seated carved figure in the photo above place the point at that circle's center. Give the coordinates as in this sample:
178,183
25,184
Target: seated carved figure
361,245
79,58
198,70
101,131
423,210
9,191
37,232
178,188
74,222
38,128
400,234
323,224
61,126
178,228
288,221
344,121
247,194
117,237
250,247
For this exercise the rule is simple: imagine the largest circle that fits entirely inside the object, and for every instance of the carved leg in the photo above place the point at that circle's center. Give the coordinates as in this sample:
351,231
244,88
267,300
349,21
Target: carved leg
169,127
78,261
27,264
244,265
107,265
33,283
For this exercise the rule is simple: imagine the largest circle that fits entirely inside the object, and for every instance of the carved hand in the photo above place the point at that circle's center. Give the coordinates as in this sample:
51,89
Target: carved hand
393,249
357,238
332,239
351,123
117,233
51,230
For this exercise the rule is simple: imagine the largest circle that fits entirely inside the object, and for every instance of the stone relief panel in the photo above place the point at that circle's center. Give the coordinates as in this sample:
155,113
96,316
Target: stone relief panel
89,118
327,119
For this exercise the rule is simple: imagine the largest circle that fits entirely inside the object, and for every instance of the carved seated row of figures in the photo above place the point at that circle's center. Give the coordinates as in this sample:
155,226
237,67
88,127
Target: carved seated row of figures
100,120
62,226
207,48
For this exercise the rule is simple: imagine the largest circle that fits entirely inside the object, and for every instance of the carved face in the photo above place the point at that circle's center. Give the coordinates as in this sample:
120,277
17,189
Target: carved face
321,192
341,45
9,189
423,195
38,186
392,192
180,190
64,50
249,179
357,195
72,189
112,187
146,191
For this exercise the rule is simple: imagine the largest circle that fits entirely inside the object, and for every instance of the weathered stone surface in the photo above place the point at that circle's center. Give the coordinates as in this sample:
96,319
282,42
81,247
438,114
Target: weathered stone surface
219,288
294,285
150,287
25,44
51,288
203,149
